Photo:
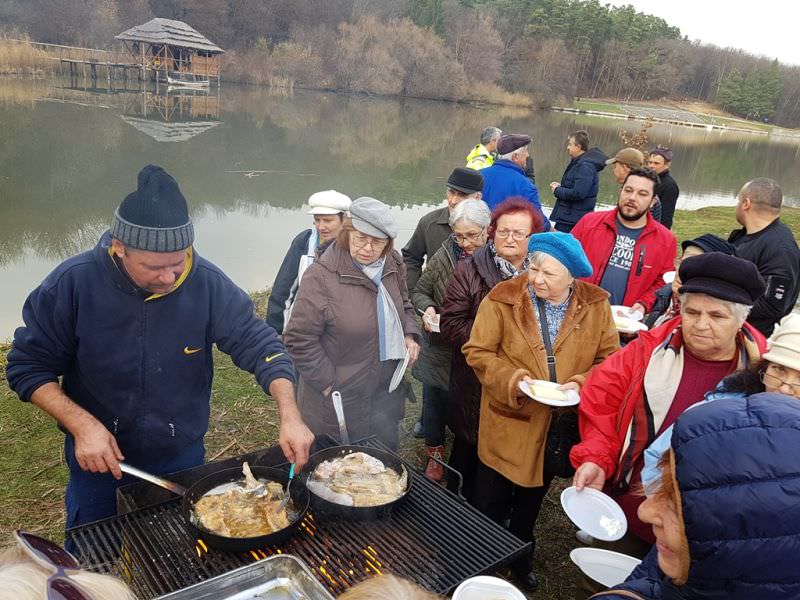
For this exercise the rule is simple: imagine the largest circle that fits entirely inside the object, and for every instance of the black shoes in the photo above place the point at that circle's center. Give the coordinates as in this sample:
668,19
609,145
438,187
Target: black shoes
527,582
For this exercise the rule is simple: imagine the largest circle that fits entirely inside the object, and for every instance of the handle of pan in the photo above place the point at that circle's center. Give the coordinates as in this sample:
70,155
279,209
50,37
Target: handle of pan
173,487
336,397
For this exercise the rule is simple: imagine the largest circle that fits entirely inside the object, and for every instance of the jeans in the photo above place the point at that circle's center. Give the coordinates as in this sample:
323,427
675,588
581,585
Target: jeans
93,496
434,408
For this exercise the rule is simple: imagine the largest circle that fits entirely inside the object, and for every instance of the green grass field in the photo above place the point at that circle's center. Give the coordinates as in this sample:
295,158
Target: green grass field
34,474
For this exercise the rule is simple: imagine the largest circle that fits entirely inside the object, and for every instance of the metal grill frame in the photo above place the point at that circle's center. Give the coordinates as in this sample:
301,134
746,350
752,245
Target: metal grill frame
432,537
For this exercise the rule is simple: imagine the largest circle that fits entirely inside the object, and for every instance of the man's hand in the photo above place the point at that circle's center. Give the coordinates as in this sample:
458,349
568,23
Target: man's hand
295,438
590,475
430,313
570,385
96,449
554,185
413,350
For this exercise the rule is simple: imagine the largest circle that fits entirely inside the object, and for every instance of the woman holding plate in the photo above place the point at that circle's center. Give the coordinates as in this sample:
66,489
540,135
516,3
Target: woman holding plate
547,326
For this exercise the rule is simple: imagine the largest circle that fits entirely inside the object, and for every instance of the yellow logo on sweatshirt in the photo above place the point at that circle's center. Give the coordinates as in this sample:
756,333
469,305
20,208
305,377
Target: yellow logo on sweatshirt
188,350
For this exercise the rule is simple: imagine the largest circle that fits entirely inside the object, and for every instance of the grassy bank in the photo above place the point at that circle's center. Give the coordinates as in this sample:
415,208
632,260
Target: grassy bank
31,458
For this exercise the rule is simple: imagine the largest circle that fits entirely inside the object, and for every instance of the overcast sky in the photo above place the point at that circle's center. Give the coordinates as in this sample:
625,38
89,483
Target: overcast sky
765,27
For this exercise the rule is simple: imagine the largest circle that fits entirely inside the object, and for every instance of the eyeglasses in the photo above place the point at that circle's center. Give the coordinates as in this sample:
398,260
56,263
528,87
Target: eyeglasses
517,234
468,237
777,382
51,556
359,241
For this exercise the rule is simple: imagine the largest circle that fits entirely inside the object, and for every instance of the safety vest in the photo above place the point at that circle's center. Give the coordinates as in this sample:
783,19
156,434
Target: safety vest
479,158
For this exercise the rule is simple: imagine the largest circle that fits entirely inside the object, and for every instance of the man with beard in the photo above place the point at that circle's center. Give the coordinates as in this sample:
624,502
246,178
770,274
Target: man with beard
629,250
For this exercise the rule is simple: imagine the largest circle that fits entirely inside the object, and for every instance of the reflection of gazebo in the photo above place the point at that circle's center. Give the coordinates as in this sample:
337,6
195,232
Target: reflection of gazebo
173,52
174,116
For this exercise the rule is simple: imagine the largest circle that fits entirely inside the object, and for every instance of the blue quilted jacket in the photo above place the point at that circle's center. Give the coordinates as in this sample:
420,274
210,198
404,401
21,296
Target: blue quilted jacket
738,472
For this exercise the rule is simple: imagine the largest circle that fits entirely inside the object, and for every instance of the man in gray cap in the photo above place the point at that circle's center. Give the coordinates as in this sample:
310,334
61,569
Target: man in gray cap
129,328
329,209
506,178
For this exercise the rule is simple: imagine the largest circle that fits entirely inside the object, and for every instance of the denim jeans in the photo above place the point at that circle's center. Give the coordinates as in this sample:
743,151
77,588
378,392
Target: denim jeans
434,407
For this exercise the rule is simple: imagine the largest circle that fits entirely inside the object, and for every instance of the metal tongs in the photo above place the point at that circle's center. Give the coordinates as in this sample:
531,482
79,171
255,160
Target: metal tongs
336,397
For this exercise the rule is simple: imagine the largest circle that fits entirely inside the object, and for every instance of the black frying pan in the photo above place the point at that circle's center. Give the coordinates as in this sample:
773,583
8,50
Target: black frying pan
299,494
357,513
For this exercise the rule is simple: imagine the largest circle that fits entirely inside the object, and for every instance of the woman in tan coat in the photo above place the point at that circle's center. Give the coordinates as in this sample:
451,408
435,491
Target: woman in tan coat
507,346
351,326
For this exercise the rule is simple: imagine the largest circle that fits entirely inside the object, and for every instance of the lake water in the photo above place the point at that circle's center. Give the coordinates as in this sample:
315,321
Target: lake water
247,159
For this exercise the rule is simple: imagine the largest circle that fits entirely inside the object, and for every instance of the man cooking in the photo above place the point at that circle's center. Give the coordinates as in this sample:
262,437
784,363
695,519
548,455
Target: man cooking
129,328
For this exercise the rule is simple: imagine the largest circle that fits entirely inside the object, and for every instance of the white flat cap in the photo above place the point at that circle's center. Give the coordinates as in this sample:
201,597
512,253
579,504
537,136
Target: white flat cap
329,202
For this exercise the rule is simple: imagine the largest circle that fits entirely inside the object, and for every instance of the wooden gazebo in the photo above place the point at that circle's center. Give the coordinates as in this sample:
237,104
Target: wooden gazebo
173,52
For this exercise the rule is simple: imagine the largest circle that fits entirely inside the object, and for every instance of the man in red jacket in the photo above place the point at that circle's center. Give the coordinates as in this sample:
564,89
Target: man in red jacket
629,250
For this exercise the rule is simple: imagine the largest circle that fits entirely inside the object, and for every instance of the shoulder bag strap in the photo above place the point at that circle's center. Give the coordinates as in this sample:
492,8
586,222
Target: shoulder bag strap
623,593
551,359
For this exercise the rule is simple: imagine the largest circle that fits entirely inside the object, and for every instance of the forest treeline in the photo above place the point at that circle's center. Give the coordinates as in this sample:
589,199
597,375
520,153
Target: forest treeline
491,50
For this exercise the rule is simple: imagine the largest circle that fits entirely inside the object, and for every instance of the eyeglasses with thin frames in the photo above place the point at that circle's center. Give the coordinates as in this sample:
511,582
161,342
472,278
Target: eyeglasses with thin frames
777,382
53,557
468,237
517,234
359,241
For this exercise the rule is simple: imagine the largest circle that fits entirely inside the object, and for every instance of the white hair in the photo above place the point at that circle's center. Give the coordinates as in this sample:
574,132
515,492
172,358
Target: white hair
737,309
23,579
511,154
473,211
538,257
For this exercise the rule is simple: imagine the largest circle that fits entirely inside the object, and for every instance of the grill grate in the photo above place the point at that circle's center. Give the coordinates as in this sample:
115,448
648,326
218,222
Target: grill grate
431,538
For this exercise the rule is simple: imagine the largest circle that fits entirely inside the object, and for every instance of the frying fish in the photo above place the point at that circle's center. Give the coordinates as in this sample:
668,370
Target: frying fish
357,479
244,510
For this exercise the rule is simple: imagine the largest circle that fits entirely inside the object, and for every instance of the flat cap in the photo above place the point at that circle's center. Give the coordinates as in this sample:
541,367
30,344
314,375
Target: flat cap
664,153
372,217
710,243
329,202
721,276
467,181
512,141
627,156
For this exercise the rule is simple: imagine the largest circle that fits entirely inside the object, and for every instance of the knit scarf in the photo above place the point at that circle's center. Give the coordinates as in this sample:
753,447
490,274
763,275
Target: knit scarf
391,340
507,270
661,380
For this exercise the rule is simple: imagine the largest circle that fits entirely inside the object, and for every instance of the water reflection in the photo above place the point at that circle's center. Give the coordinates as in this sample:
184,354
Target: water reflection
249,158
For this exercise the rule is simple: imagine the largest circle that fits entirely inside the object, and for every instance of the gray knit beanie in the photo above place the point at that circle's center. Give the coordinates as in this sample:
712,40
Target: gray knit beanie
154,217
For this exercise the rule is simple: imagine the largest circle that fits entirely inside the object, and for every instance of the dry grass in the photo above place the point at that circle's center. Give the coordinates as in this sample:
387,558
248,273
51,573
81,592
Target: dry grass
19,57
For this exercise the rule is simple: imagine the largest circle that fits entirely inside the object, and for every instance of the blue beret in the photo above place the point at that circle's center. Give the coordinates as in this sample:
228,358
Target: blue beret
565,249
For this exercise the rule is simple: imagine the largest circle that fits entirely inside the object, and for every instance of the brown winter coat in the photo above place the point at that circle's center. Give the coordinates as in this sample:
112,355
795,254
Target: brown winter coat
471,281
332,336
506,345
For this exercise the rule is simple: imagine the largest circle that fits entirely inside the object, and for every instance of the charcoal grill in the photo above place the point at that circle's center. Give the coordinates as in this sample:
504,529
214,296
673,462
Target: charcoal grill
432,538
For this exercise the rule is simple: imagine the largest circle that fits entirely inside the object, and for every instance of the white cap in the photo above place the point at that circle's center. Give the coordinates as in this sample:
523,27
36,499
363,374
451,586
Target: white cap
329,202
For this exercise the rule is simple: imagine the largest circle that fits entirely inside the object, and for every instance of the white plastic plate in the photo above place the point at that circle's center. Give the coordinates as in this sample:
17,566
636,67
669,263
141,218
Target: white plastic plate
626,312
572,397
604,566
483,587
625,325
594,512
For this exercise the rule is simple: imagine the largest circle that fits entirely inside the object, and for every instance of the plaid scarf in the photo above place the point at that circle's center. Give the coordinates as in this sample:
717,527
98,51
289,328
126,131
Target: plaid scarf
507,270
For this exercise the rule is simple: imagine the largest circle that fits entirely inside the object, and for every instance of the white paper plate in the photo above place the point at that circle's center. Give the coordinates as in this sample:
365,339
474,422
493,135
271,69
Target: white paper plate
572,397
604,566
624,325
594,512
483,587
626,312
668,277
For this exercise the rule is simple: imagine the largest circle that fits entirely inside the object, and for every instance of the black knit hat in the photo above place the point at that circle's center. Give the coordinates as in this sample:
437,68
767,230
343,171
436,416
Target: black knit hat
464,180
721,276
710,243
154,217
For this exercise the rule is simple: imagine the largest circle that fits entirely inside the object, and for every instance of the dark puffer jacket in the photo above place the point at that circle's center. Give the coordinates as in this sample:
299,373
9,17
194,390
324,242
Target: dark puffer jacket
577,194
471,281
433,366
740,496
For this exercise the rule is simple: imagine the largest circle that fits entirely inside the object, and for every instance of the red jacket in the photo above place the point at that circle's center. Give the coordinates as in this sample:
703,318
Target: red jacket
615,388
653,254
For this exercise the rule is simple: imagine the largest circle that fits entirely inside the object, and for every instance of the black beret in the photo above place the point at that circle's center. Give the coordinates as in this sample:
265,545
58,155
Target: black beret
512,141
721,276
710,243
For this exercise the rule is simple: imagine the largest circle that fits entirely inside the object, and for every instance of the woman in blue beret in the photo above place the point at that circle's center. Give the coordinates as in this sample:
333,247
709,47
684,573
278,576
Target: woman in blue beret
547,326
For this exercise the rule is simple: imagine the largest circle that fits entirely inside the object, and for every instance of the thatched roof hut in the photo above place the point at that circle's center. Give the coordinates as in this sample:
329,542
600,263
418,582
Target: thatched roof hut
173,51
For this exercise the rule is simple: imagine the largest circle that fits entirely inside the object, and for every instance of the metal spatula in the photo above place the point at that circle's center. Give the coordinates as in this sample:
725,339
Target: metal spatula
336,397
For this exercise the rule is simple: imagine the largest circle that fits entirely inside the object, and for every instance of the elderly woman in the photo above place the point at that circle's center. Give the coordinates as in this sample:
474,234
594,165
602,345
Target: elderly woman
351,327
667,303
503,257
469,221
641,390
725,510
521,327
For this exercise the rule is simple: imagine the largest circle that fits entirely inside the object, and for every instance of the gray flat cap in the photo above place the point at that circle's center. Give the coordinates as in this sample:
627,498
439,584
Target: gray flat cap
372,217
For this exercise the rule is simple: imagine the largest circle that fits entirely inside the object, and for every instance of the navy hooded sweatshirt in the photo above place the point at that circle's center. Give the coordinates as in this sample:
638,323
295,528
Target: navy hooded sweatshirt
142,366
577,194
